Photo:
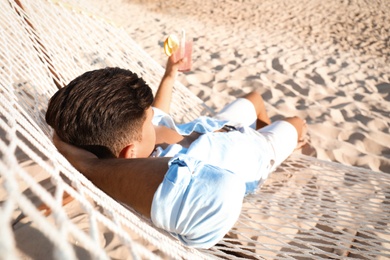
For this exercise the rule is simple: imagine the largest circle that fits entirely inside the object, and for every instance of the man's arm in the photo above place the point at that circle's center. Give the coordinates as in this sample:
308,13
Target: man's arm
163,96
130,181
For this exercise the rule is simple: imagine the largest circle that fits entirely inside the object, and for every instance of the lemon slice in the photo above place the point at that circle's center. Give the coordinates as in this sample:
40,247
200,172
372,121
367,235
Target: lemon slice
171,44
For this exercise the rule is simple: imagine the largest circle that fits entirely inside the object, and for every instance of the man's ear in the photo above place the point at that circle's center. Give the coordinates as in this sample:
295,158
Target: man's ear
128,152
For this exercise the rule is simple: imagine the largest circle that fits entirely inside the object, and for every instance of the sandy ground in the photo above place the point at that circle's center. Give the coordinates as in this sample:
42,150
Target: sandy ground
326,61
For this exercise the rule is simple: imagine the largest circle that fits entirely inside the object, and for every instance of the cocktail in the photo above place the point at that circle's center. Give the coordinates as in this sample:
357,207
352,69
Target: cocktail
180,49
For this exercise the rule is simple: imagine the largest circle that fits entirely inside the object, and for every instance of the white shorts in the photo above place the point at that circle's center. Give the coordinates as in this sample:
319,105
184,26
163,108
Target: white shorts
240,112
281,136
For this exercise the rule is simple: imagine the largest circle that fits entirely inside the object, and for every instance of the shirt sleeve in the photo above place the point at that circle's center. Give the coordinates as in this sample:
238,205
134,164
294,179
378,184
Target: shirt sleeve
160,118
196,202
202,124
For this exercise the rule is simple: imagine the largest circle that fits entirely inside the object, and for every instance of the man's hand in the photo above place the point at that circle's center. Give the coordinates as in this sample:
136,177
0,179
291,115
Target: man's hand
76,156
172,67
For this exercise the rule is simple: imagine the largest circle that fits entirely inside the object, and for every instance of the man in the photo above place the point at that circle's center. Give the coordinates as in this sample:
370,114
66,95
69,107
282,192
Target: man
196,191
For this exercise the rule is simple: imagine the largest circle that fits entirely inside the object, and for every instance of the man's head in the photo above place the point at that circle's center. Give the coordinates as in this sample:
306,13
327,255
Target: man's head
106,111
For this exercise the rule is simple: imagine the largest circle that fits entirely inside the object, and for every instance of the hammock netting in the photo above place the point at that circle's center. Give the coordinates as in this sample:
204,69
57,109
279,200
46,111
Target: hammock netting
307,209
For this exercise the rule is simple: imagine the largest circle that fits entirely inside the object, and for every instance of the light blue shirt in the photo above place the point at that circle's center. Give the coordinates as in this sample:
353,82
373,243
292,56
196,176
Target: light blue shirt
201,125
201,195
244,152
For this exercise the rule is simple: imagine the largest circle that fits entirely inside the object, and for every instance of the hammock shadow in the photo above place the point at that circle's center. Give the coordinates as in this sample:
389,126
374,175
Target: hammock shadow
304,209
32,243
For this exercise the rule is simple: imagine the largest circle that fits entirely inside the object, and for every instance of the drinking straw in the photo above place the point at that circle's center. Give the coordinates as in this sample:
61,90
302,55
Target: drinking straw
182,43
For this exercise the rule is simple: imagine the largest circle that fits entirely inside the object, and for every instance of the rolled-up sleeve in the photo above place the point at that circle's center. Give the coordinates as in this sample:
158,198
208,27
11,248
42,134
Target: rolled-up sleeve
196,202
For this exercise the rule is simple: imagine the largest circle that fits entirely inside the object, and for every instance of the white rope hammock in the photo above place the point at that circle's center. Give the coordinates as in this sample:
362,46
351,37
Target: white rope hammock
307,209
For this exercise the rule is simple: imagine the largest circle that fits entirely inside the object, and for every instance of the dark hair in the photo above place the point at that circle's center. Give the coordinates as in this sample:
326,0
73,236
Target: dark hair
101,110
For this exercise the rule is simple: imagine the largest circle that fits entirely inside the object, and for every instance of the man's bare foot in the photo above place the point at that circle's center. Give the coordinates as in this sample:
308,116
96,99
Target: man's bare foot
303,138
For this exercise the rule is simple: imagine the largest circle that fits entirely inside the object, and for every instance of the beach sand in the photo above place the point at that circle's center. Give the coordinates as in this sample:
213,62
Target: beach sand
325,61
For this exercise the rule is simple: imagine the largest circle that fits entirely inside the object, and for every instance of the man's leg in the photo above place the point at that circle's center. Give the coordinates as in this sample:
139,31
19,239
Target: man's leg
248,110
258,102
301,127
284,136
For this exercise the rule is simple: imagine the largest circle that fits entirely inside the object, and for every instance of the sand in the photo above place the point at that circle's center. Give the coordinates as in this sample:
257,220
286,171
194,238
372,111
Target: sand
325,61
